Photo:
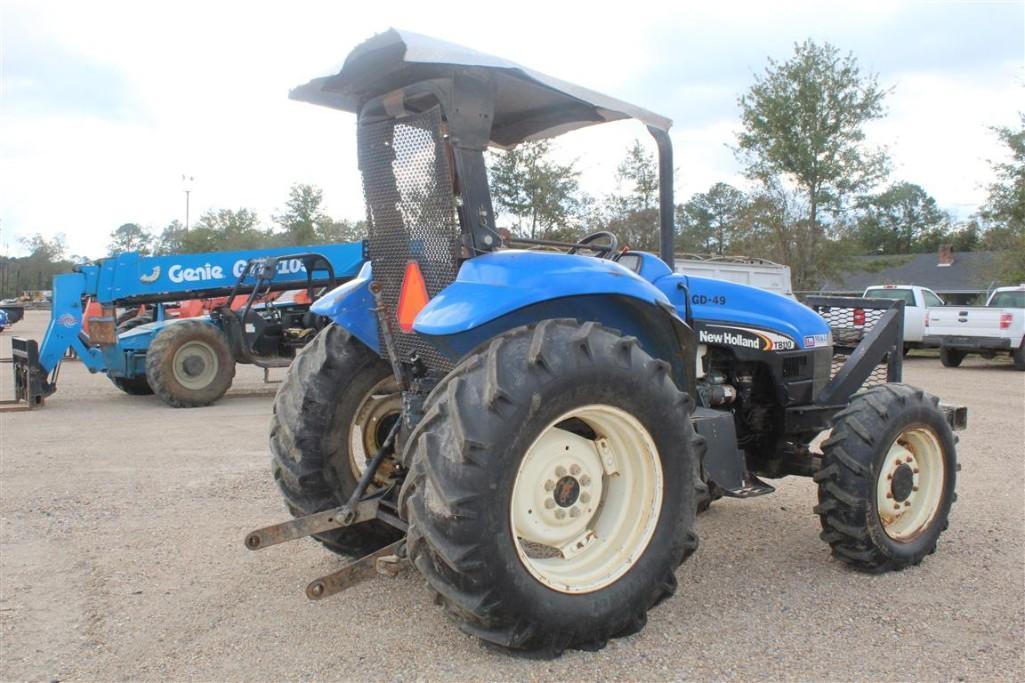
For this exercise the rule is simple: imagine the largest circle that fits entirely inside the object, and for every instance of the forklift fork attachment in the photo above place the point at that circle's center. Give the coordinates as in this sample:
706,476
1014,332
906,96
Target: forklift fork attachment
382,561
313,524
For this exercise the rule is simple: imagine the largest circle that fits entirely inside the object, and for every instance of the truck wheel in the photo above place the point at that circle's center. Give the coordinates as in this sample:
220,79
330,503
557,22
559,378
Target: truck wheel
133,386
551,490
888,478
951,358
1019,356
331,414
188,364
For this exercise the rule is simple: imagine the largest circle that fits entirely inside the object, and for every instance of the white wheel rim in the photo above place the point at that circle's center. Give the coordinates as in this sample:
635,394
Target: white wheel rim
583,511
910,484
383,401
195,365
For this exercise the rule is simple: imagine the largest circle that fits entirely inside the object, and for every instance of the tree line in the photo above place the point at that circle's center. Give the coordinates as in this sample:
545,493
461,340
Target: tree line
813,199
813,202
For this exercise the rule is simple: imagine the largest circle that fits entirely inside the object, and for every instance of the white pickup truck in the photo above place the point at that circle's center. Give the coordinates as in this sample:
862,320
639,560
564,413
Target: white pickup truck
917,300
997,327
850,327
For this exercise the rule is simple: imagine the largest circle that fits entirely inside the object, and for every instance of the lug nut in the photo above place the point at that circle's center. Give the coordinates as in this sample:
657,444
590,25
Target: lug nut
560,514
896,506
560,471
585,480
907,503
574,470
909,459
574,511
889,476
915,471
549,503
914,488
585,497
549,485
889,495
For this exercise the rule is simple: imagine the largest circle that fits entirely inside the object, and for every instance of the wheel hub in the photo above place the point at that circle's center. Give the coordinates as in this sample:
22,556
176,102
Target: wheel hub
567,491
902,483
193,366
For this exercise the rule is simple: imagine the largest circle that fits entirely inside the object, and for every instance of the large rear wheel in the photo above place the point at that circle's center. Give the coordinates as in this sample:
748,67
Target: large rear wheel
551,492
189,364
332,413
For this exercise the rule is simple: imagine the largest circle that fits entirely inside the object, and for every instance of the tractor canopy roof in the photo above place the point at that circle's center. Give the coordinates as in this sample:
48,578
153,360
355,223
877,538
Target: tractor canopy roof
528,105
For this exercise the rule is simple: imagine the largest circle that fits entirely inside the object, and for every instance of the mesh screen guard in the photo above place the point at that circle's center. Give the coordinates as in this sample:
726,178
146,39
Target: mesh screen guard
411,214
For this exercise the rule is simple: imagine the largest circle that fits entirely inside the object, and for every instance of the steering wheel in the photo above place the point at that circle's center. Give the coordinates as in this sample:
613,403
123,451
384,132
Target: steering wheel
602,251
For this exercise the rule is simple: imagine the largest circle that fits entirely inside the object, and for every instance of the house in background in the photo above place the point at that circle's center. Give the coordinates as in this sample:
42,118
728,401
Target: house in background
959,278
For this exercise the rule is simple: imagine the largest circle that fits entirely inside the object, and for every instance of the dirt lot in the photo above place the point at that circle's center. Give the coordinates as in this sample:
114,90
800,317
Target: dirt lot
121,557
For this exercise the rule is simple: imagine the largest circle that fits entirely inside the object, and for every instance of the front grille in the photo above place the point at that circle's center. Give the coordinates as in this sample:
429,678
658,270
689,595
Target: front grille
793,366
847,336
411,215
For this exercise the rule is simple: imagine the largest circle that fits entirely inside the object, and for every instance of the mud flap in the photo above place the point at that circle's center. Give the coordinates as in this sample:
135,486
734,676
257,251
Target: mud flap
724,463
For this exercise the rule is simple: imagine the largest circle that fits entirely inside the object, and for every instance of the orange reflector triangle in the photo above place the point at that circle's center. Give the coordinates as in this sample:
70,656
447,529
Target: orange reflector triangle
413,296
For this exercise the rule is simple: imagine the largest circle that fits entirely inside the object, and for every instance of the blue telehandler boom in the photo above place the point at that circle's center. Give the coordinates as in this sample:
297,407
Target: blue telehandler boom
186,362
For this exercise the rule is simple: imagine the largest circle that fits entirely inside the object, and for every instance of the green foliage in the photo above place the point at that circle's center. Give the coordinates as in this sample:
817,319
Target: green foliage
710,222
46,258
540,193
903,219
803,122
225,229
1005,207
130,237
302,214
632,213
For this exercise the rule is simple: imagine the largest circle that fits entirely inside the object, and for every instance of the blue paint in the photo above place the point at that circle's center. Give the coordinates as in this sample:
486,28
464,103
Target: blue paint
350,306
495,284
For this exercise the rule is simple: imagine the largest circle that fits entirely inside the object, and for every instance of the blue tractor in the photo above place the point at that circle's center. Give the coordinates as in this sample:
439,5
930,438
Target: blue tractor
534,425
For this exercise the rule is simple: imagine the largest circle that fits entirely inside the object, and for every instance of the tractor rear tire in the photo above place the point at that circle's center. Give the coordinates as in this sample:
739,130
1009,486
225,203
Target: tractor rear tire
312,428
189,364
951,358
133,386
888,478
485,482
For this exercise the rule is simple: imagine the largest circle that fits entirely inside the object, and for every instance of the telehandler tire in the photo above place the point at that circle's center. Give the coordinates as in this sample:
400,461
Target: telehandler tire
951,358
551,492
189,364
133,386
334,407
888,477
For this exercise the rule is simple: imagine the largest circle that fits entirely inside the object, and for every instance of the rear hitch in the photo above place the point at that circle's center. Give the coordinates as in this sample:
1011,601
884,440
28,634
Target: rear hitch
359,508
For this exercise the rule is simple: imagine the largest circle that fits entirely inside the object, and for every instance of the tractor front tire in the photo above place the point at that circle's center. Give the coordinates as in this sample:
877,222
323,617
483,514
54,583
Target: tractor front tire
888,478
327,395
133,386
951,358
551,492
189,364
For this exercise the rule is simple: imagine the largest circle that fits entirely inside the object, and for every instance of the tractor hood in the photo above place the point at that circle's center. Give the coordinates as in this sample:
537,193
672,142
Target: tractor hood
529,105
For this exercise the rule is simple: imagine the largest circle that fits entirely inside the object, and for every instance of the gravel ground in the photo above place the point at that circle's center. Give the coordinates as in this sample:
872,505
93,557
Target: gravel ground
121,557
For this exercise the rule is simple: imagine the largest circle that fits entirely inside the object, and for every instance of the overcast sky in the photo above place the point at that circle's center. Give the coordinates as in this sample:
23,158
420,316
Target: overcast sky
103,106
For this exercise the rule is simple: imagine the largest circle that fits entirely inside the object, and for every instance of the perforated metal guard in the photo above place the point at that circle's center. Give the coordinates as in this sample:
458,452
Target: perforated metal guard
846,337
411,212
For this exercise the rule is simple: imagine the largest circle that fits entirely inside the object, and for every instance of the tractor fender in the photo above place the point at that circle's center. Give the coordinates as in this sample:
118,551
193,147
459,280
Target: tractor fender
500,291
351,307
496,284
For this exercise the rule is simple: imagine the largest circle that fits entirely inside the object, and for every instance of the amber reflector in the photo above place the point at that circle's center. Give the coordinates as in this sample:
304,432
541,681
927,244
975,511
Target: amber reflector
413,296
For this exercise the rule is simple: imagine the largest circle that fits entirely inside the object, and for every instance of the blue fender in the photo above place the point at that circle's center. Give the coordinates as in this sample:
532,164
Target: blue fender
351,306
495,284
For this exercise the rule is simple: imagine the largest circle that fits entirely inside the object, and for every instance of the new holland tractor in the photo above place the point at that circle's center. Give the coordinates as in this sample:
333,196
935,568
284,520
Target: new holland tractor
535,430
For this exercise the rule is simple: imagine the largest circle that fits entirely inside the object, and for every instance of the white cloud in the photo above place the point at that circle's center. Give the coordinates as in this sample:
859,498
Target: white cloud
202,90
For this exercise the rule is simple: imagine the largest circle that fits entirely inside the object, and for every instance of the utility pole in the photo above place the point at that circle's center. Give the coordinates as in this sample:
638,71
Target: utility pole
187,187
